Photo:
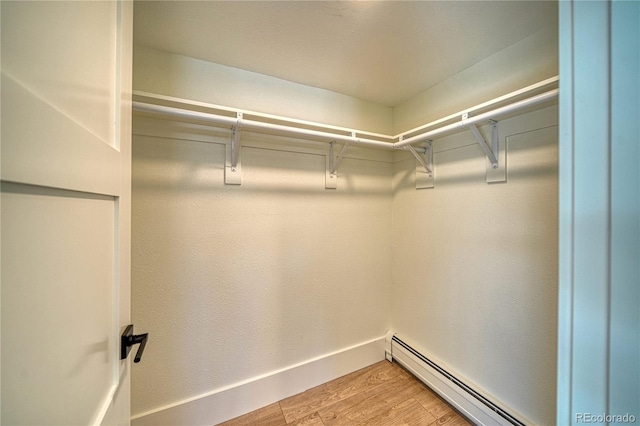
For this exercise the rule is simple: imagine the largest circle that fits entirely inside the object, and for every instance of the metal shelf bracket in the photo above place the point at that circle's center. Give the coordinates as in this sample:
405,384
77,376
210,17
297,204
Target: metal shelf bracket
333,162
496,157
338,160
424,165
330,178
233,166
497,174
490,151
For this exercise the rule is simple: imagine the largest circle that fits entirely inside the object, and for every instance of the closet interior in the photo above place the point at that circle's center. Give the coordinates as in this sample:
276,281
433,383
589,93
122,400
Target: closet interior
284,235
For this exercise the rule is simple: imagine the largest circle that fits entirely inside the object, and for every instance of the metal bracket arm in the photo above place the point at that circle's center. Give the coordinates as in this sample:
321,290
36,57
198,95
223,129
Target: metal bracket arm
424,160
490,152
428,165
335,164
235,142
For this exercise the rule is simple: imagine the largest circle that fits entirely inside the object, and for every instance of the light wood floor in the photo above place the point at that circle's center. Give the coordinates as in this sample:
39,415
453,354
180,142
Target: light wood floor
383,394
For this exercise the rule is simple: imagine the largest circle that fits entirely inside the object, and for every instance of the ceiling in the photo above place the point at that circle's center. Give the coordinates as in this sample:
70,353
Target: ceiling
380,51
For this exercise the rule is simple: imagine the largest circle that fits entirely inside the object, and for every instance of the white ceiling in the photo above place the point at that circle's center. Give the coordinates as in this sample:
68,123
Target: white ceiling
380,51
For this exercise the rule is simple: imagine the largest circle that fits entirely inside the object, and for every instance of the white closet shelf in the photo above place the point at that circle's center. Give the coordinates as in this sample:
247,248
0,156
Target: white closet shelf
234,118
239,120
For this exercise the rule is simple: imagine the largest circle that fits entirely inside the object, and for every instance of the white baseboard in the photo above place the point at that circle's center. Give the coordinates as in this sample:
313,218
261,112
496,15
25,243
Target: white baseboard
240,398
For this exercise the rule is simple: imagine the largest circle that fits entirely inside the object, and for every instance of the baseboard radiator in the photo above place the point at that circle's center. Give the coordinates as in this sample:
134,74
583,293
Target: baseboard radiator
479,409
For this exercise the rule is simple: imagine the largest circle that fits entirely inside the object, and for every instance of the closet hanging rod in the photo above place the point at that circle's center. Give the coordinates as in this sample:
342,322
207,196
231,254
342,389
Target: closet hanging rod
400,142
486,116
257,125
504,99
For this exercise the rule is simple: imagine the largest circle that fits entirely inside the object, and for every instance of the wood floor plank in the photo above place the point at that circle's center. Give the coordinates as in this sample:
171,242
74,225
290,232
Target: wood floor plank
310,420
409,413
371,403
271,415
314,399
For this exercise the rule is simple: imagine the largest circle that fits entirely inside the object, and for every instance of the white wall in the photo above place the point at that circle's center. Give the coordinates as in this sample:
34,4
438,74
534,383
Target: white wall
475,264
189,78
233,282
524,63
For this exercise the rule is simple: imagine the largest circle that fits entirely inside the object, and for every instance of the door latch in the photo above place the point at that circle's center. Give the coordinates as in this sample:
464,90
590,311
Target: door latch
128,339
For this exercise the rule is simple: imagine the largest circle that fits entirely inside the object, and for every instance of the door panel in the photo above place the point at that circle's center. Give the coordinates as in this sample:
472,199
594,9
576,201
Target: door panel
53,150
60,108
65,205
58,304
64,53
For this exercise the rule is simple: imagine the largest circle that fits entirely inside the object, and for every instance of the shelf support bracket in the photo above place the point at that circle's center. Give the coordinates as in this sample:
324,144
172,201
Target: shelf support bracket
496,154
233,166
424,165
497,174
333,162
488,151
338,160
330,178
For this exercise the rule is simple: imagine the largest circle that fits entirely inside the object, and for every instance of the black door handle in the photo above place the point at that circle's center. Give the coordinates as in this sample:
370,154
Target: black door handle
128,339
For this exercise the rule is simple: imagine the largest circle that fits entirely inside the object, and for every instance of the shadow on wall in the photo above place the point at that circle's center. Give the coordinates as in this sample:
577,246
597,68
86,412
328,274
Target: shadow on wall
194,166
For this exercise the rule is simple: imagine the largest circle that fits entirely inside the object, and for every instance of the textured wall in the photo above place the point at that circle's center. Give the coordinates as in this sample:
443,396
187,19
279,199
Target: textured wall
233,282
180,76
524,63
475,264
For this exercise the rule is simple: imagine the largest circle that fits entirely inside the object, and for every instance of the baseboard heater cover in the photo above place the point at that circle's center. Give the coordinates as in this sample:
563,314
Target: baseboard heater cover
478,408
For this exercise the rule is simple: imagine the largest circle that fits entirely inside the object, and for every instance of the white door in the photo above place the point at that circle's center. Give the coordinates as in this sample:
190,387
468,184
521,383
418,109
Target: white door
66,139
